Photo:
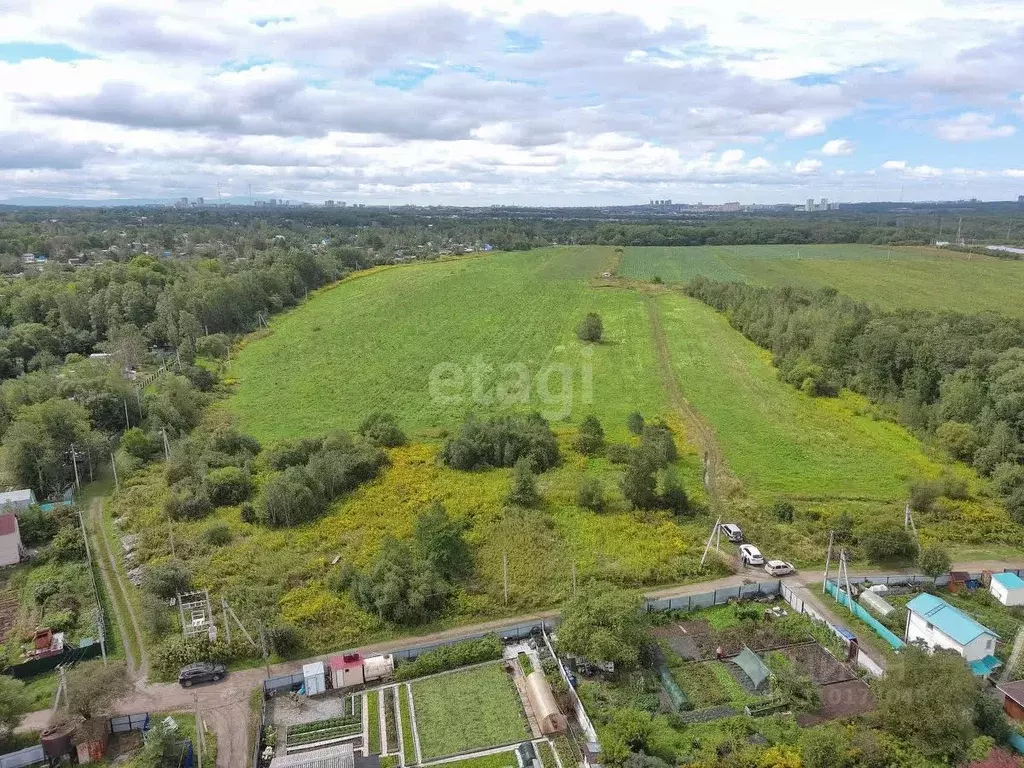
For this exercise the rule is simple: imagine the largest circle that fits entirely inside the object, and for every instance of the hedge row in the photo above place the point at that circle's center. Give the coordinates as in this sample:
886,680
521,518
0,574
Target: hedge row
452,656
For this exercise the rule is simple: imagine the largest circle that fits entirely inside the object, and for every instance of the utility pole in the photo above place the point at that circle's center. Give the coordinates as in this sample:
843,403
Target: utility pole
227,621
127,422
504,573
828,560
170,525
74,462
263,648
574,578
95,590
113,466
199,731
716,536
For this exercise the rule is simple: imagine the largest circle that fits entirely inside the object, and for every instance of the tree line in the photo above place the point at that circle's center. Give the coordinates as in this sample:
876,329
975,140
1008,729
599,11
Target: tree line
957,379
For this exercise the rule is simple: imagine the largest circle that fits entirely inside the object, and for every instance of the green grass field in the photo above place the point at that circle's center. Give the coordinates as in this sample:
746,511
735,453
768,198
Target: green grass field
469,710
775,438
925,278
380,340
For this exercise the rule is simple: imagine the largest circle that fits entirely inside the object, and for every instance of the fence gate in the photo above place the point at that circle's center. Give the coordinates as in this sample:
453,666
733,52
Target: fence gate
125,723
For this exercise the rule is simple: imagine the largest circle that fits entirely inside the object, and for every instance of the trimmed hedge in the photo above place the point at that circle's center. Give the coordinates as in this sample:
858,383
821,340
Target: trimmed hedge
451,657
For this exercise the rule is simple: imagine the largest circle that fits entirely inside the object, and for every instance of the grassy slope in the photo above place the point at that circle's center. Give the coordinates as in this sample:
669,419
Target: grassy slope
373,341
924,278
468,710
776,439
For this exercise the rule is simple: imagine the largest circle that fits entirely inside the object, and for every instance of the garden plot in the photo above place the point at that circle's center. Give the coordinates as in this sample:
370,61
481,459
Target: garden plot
817,663
698,641
305,723
466,711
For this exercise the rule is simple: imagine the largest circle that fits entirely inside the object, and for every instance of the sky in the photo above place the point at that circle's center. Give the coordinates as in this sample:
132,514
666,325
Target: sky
475,102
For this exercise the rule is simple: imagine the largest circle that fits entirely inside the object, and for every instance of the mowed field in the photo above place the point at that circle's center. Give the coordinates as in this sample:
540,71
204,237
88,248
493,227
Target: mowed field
910,277
431,342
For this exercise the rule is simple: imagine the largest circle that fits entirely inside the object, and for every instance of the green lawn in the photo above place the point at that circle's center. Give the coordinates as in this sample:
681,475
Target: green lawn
430,342
373,725
775,438
926,278
497,760
469,710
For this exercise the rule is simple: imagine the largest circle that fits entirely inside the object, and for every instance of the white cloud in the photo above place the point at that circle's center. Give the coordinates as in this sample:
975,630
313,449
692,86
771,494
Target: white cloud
811,126
807,166
973,126
838,148
895,165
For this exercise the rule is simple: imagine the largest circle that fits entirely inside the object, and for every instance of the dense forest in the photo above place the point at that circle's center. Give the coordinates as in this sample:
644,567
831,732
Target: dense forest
956,379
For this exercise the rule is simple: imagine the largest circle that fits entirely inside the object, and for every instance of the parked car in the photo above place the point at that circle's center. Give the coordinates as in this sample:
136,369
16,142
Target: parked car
201,672
750,555
732,532
779,568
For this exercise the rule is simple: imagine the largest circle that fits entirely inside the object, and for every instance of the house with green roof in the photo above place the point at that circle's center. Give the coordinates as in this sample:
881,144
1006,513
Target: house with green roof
936,624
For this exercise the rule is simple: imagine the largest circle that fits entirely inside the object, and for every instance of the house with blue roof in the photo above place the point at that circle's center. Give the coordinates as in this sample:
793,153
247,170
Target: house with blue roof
1007,588
936,624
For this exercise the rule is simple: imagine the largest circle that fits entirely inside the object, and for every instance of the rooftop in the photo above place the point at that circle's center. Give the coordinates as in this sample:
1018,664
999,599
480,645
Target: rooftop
21,496
1014,690
1009,580
947,619
339,756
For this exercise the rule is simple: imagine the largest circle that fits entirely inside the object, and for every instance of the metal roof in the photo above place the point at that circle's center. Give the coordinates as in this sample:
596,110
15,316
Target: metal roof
22,496
1014,690
1009,580
339,756
985,666
947,619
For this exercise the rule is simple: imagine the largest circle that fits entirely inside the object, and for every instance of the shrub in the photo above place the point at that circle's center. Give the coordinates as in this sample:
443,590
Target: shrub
522,490
656,441
958,439
1015,505
639,485
501,442
618,453
37,527
591,328
218,534
178,652
166,579
139,445
228,486
1007,477
923,494
381,429
590,440
401,587
284,639
590,494
290,498
67,545
188,502
291,453
784,511
886,544
451,657
156,615
635,423
954,487
933,560
673,495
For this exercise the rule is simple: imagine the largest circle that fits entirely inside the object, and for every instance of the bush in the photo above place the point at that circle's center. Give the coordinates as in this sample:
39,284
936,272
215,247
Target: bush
156,615
1015,505
639,484
784,511
590,440
887,544
291,498
635,423
522,490
451,657
178,652
673,495
933,561
591,328
37,527
381,429
619,453
166,579
1007,477
958,439
590,494
188,502
291,453
67,545
218,534
284,639
228,486
139,445
923,494
954,487
400,586
656,441
501,442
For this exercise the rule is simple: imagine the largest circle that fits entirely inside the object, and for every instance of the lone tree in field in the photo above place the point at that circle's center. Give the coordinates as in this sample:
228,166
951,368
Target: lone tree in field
639,485
673,495
590,441
604,623
933,560
93,687
635,423
590,329
590,494
523,490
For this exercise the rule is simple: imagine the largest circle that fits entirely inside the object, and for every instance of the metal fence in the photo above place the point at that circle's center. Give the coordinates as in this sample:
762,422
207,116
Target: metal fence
28,756
715,597
125,723
261,722
69,655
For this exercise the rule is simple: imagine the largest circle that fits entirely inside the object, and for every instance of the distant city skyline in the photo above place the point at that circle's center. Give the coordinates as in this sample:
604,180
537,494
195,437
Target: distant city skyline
469,103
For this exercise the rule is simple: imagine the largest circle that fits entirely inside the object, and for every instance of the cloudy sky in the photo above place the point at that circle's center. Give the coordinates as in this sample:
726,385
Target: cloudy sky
529,102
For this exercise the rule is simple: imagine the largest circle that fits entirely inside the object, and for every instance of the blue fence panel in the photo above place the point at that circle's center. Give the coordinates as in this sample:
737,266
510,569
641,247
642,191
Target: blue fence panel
844,599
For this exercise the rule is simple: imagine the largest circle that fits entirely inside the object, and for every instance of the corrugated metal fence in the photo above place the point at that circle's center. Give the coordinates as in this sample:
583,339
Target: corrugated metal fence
715,597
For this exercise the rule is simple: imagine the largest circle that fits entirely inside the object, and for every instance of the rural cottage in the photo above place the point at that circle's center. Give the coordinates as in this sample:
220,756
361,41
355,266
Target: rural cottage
17,501
937,624
1007,588
10,539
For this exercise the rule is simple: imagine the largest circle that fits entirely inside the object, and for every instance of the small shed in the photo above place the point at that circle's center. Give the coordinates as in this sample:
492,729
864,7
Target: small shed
346,670
10,539
17,501
1007,588
545,708
1013,699
752,666
315,678
378,667
958,580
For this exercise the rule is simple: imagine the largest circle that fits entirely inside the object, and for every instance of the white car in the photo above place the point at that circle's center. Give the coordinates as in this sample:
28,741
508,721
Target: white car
732,532
778,568
750,555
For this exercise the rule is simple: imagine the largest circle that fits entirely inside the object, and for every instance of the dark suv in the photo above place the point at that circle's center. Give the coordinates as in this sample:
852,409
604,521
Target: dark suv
203,672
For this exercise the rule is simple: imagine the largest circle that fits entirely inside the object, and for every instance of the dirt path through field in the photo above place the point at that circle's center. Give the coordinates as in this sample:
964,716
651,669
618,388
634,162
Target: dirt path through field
138,667
718,479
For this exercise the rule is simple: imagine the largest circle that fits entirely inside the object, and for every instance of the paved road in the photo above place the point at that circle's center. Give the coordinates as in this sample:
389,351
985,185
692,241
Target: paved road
225,706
